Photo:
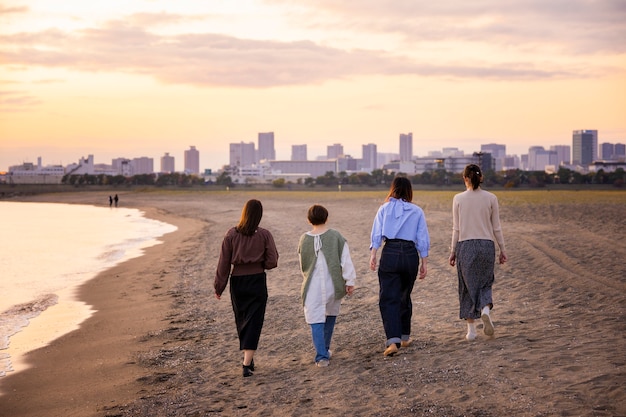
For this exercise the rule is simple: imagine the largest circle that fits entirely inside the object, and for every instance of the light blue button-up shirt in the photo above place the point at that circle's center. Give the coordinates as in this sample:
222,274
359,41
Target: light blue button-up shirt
399,219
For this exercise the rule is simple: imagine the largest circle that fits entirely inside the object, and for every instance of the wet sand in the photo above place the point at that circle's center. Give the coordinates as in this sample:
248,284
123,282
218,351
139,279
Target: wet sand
160,344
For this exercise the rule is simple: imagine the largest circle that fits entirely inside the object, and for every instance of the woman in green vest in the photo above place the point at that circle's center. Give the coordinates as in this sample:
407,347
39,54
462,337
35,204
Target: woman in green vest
329,275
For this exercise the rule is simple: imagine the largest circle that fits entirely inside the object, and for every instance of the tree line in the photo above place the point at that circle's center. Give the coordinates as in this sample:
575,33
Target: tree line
507,179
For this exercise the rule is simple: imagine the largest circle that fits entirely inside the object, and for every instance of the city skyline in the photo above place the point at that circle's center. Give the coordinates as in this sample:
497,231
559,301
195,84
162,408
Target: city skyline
250,153
141,78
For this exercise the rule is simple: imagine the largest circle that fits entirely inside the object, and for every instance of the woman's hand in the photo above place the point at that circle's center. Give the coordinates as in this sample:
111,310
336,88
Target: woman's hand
502,258
452,259
373,260
349,289
423,268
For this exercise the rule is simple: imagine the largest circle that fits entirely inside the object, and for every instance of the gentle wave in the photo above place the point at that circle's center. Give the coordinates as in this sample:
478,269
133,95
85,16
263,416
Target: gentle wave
15,319
50,249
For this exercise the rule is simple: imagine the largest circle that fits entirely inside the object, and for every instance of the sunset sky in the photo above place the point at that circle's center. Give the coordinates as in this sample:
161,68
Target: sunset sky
132,78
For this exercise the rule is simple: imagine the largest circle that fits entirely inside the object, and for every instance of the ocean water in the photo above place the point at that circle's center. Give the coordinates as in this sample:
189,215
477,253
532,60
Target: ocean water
47,250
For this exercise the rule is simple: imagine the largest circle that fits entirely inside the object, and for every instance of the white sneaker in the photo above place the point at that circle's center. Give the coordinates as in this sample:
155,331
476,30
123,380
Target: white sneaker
323,363
471,331
471,335
487,323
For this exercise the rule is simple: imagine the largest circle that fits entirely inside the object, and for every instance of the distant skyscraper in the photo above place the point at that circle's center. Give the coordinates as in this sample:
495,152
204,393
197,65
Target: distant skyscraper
242,154
607,150
370,154
620,151
334,151
483,159
266,147
406,147
496,151
167,163
539,158
122,166
498,154
533,151
584,147
142,165
192,161
298,153
563,153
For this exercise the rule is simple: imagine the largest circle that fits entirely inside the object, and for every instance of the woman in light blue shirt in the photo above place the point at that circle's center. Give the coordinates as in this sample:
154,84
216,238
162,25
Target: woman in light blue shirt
401,226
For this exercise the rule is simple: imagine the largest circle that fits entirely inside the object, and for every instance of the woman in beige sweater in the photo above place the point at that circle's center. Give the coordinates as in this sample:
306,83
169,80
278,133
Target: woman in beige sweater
476,225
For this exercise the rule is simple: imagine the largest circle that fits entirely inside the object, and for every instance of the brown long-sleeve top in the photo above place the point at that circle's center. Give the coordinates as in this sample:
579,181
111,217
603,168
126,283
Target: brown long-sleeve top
247,254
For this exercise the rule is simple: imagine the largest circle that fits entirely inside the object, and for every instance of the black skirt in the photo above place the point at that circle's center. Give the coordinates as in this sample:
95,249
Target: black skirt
248,294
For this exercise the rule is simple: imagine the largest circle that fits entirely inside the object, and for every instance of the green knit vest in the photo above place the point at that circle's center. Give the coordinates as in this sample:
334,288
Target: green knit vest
332,247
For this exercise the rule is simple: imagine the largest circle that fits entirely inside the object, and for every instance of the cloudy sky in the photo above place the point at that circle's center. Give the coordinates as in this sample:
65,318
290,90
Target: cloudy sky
131,78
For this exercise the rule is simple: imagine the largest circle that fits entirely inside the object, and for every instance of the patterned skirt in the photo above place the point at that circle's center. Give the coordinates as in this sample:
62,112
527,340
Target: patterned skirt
475,262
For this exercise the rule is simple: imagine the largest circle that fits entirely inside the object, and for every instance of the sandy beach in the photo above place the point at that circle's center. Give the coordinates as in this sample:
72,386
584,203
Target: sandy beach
160,344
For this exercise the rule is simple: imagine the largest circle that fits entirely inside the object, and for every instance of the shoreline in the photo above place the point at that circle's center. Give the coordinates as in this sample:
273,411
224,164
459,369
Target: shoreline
98,353
161,345
54,322
33,322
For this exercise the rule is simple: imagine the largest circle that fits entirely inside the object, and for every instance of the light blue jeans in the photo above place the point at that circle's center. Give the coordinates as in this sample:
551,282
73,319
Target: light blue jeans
322,334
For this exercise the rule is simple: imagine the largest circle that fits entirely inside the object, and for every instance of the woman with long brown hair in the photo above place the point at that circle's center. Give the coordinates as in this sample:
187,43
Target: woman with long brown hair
247,252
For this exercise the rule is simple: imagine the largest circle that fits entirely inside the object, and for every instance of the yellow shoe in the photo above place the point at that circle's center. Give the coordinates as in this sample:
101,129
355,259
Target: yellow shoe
406,343
391,350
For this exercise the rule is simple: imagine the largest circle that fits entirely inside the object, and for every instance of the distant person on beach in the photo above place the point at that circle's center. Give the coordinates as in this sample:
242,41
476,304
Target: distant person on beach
110,201
401,226
250,250
328,274
475,225
116,198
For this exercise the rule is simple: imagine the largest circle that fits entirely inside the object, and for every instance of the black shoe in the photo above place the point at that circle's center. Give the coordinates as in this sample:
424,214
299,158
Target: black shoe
247,371
251,366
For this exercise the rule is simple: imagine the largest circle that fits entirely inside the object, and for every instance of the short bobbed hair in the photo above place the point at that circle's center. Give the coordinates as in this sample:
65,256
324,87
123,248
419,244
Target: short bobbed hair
317,215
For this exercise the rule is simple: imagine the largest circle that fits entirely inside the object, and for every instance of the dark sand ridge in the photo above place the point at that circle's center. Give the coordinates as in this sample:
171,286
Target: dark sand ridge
161,345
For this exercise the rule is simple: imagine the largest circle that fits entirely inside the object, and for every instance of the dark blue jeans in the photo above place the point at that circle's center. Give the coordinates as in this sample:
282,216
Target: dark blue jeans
397,273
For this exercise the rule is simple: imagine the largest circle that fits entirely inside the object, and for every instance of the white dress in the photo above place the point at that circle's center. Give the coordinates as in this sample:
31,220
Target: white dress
320,298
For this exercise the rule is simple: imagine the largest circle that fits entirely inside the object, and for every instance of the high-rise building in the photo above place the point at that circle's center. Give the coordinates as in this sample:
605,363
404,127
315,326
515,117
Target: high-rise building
607,150
406,147
334,151
539,159
142,165
620,151
266,147
298,153
242,154
483,159
563,154
584,147
192,161
498,154
167,163
496,151
370,154
122,166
